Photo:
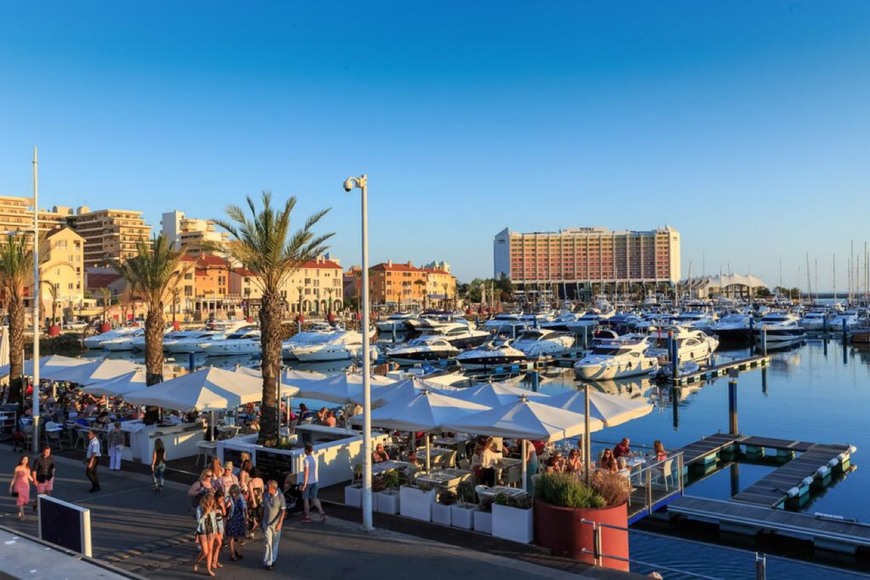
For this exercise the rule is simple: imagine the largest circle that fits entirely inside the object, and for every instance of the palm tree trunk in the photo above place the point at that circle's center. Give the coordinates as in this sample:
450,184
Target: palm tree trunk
16,337
154,344
270,343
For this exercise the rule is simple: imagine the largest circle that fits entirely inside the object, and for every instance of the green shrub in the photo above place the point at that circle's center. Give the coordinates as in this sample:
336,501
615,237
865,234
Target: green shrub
446,497
564,490
391,479
465,491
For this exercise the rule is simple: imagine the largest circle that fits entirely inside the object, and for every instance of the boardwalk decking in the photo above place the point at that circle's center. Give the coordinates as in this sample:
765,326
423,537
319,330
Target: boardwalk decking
773,489
722,369
694,452
825,532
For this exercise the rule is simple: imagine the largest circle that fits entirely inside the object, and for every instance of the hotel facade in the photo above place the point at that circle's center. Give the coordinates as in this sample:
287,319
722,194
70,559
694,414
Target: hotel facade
577,262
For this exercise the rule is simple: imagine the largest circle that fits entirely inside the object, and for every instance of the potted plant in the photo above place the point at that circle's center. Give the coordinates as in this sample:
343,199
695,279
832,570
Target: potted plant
483,516
512,518
388,499
442,508
561,502
462,512
353,492
416,501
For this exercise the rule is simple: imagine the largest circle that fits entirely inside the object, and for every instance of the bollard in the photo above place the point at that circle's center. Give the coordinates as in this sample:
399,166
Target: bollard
190,362
732,406
760,566
535,380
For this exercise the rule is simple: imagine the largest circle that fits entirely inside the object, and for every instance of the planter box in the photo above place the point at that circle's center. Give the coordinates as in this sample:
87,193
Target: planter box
483,522
462,516
441,514
513,524
353,496
560,530
416,503
387,502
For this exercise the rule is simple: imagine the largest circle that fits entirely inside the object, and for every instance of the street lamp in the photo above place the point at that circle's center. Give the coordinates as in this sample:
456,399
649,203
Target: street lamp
350,184
36,295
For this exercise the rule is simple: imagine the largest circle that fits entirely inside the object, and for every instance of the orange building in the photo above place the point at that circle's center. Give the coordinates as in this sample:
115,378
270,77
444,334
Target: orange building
403,285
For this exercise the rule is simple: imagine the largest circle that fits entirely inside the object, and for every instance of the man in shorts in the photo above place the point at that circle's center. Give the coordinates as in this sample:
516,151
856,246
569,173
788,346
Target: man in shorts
309,485
42,471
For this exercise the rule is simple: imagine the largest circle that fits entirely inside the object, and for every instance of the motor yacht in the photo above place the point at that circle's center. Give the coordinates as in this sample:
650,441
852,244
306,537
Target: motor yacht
124,343
507,323
536,342
816,320
96,341
692,345
421,349
780,328
588,319
847,318
318,334
394,322
560,322
617,358
245,340
462,334
733,326
345,345
491,354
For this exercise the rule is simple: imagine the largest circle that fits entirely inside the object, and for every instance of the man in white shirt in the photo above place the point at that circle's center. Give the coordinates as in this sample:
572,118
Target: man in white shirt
92,461
309,485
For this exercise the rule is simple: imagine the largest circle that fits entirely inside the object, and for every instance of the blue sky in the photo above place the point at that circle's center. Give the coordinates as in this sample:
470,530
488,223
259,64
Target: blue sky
742,124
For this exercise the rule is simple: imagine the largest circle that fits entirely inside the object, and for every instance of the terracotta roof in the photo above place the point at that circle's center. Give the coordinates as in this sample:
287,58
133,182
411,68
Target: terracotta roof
321,264
386,267
101,280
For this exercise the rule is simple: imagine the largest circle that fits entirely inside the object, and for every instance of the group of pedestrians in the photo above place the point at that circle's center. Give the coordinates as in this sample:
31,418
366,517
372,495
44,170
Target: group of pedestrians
39,473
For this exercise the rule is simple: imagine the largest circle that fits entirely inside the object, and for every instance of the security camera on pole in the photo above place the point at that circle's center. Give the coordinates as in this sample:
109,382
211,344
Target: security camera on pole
350,183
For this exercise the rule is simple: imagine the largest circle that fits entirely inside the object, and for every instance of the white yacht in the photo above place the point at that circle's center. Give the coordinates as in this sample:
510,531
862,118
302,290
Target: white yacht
733,326
780,328
394,322
695,320
124,343
506,323
535,342
617,358
692,345
560,322
424,348
344,345
490,354
588,319
847,317
96,341
245,340
461,334
816,320
318,334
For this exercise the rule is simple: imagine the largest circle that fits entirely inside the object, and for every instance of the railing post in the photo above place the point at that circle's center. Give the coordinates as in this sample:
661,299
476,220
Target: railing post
596,543
760,566
648,486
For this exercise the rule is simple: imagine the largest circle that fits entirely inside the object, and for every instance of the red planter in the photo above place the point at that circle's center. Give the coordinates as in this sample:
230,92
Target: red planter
54,330
560,530
105,327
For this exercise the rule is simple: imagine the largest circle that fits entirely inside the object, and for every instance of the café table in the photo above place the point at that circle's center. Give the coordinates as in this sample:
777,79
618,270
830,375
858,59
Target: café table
483,491
384,466
447,478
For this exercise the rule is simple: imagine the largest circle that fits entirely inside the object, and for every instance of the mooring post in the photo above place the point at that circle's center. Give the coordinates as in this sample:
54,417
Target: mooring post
764,340
535,380
732,402
735,478
760,566
190,362
845,334
394,333
676,391
672,353
764,380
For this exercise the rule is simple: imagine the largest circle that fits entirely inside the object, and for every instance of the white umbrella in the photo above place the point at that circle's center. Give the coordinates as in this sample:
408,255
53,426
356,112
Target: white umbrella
496,394
208,389
344,388
47,363
292,375
407,389
287,390
92,372
119,386
427,411
527,419
612,410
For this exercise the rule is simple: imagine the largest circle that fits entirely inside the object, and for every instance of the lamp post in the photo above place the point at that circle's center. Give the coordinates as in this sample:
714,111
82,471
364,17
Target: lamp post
36,294
350,184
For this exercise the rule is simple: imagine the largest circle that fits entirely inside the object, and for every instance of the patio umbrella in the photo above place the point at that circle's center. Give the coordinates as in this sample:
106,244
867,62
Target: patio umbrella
285,392
343,389
91,372
119,386
427,411
527,419
407,389
46,364
496,394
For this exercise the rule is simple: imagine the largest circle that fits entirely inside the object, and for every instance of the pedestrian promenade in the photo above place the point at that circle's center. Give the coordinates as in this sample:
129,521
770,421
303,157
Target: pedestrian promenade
151,535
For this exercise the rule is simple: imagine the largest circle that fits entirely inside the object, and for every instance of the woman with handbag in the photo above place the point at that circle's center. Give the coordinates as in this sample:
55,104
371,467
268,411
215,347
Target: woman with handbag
19,487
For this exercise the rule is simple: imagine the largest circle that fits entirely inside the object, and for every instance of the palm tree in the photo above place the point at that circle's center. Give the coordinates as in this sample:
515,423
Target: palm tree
16,275
262,241
152,274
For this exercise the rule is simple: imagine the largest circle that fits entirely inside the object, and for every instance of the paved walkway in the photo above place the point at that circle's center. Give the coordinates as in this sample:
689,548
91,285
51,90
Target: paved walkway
152,535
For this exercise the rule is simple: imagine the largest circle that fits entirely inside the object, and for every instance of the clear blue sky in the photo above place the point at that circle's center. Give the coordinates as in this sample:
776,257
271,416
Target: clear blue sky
744,125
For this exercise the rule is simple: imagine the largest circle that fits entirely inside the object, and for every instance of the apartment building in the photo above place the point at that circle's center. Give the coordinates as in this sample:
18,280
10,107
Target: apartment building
397,285
62,272
110,234
578,259
190,233
16,214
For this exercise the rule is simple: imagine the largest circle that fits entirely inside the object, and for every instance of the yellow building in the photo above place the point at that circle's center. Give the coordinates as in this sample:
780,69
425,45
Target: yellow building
110,234
62,273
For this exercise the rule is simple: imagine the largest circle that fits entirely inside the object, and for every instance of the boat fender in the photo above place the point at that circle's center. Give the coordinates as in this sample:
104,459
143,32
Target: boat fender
852,449
794,492
841,457
823,471
808,480
833,462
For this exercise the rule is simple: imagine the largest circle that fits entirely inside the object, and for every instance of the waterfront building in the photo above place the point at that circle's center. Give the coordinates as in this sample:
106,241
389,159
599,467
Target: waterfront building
736,286
110,234
62,273
399,286
578,262
16,214
190,233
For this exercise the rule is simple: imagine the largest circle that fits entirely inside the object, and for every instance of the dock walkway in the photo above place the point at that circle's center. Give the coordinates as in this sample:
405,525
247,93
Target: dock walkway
720,370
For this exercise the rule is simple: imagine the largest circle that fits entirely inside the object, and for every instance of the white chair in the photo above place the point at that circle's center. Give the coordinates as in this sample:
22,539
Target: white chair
665,471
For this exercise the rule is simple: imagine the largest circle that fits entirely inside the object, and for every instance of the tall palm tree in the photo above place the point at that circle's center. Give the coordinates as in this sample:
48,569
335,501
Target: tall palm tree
152,274
262,241
16,275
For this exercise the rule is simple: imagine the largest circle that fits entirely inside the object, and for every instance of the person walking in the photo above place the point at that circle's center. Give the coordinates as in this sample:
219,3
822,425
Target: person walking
220,517
42,472
274,509
205,527
158,464
20,485
236,525
92,461
310,485
116,444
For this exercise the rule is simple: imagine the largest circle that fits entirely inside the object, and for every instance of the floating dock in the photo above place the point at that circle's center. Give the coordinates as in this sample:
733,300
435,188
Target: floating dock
720,370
